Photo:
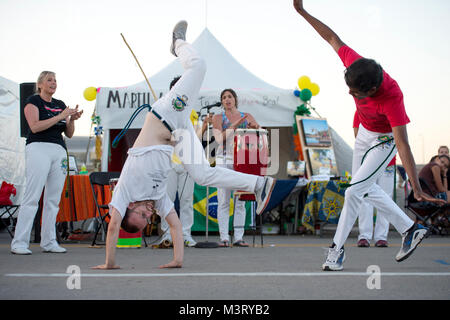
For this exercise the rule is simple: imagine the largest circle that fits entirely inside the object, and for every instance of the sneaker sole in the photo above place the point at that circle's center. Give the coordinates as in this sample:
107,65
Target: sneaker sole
327,268
406,256
182,24
21,254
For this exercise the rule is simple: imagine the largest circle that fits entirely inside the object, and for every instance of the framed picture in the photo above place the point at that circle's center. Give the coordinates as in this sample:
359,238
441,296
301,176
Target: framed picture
322,162
315,132
317,147
296,168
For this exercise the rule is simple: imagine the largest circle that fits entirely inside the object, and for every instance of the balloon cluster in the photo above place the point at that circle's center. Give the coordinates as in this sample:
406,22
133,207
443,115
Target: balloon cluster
90,93
306,90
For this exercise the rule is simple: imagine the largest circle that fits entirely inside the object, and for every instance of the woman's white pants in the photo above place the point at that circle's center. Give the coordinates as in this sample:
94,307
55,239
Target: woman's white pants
223,208
46,166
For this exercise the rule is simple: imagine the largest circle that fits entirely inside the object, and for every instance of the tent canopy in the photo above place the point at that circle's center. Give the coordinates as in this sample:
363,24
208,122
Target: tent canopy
12,146
271,106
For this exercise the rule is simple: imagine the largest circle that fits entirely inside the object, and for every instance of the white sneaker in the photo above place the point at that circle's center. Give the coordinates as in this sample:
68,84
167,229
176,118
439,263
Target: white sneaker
335,260
189,242
55,249
179,32
263,194
21,251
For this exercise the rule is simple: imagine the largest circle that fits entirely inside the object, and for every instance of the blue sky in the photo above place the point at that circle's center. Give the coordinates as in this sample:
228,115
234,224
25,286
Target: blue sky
80,40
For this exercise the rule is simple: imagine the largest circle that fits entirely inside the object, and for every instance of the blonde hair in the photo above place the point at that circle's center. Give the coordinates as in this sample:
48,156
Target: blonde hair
41,78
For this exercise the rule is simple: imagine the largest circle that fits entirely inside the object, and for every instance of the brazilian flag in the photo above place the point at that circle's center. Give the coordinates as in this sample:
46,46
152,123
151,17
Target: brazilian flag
200,210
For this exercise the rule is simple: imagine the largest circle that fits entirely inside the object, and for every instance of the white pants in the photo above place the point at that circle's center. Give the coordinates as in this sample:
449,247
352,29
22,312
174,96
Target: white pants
46,165
367,173
191,153
365,217
223,208
180,181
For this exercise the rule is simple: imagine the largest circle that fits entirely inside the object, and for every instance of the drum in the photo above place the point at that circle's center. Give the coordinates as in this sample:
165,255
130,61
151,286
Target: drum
251,151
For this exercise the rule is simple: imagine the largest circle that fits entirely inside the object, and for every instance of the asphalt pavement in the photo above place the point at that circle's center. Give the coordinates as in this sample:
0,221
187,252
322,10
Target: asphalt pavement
286,267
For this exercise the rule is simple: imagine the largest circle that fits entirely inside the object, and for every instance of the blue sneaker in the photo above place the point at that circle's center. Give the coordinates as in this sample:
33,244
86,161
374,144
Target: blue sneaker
263,194
411,240
335,260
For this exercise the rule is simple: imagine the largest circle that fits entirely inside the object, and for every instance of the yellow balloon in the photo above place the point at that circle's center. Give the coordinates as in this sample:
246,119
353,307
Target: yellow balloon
304,82
90,93
314,87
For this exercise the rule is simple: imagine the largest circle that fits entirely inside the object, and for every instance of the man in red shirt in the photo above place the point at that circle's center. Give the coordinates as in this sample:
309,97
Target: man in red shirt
380,108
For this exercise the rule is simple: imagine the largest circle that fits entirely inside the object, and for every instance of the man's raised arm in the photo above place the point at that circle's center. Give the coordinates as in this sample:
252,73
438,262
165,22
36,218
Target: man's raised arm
323,30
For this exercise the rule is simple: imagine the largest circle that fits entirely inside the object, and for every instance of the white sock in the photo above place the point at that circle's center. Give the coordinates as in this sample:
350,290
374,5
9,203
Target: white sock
259,183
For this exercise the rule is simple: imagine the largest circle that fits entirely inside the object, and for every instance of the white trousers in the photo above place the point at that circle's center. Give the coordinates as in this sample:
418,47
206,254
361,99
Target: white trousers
365,217
180,181
46,166
223,208
191,153
364,177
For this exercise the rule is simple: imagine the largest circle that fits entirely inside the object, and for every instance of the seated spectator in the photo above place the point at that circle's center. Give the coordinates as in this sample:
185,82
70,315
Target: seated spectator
435,175
443,150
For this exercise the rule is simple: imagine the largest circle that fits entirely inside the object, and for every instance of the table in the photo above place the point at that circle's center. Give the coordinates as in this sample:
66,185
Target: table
324,202
77,200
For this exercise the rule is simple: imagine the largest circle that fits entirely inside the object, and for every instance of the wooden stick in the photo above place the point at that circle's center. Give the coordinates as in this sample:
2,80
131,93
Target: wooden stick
151,89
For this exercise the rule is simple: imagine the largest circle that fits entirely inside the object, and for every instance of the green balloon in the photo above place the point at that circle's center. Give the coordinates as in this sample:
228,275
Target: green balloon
305,94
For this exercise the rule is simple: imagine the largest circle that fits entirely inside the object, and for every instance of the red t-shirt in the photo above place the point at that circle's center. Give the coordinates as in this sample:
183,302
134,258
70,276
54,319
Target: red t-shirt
356,123
383,110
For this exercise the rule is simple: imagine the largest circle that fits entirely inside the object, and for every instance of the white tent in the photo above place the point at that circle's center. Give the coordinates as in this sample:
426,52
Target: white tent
12,146
271,106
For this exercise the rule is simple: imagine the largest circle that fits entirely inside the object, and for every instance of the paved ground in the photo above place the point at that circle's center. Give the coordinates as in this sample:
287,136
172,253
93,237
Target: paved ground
286,268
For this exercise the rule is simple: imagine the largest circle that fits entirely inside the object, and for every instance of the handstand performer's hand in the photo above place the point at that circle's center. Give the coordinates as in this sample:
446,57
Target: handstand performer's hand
105,267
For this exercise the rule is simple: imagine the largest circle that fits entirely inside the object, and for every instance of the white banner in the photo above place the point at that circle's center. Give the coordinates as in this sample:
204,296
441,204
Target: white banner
115,106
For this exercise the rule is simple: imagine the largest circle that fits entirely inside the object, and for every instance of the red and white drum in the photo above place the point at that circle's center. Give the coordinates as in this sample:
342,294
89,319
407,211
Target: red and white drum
251,151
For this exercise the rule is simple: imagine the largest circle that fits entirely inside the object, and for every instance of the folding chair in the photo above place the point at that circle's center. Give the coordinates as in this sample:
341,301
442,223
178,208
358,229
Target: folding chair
9,210
249,196
99,180
424,211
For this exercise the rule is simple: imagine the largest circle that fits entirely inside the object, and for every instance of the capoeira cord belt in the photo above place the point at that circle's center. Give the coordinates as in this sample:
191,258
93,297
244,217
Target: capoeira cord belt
133,116
346,184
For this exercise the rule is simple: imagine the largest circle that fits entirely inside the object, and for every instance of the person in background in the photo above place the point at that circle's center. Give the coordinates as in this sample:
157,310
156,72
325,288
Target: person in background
443,150
46,164
224,125
435,175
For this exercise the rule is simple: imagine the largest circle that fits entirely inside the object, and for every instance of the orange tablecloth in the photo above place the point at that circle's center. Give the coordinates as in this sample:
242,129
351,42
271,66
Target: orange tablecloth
79,203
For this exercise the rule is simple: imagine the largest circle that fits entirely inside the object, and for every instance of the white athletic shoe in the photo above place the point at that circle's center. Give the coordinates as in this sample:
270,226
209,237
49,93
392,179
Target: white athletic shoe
21,251
55,249
335,260
263,194
189,242
179,32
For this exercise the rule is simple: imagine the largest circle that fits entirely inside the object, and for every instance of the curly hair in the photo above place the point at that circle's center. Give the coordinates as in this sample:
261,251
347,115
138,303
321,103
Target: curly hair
364,74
